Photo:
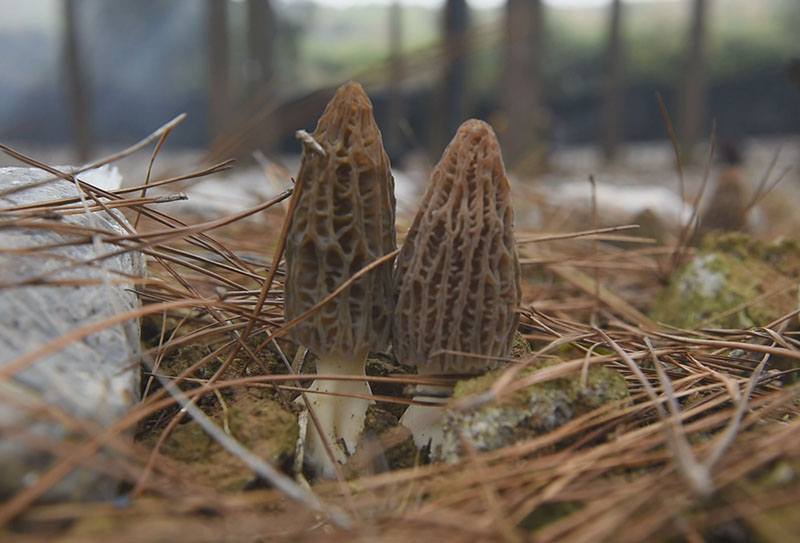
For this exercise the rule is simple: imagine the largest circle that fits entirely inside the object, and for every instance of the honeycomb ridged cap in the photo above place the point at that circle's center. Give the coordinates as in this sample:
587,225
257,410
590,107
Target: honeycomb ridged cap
458,276
344,220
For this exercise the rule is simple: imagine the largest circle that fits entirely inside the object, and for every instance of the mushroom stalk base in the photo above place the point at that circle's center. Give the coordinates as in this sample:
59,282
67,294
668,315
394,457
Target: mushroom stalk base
341,418
424,421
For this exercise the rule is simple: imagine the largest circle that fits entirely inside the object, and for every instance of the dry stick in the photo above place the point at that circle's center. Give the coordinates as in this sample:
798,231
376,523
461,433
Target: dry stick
58,204
252,461
160,142
135,147
690,228
615,302
774,336
678,164
596,297
239,343
202,240
161,236
762,182
24,497
304,137
130,150
733,427
675,147
581,234
729,345
74,209
160,355
696,475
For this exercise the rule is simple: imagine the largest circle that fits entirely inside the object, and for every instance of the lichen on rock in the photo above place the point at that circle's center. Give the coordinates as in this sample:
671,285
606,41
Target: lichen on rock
728,271
533,410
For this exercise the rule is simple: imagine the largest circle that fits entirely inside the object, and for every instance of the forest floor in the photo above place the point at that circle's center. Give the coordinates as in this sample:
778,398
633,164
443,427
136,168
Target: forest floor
704,447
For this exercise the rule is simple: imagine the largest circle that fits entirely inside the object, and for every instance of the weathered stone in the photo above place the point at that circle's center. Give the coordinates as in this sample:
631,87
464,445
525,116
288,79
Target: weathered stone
48,288
526,413
725,283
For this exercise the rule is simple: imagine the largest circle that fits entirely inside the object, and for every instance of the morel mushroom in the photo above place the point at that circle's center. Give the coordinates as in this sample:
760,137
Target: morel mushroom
457,276
344,220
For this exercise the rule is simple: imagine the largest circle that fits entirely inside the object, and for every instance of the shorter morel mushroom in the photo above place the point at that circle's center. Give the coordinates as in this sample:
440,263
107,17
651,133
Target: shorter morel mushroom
457,275
343,221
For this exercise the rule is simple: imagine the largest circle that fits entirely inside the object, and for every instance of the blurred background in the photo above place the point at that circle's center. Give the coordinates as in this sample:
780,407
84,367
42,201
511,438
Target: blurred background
569,85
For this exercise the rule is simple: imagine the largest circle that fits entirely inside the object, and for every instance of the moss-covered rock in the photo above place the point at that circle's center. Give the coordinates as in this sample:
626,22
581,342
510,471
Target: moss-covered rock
259,423
730,271
528,412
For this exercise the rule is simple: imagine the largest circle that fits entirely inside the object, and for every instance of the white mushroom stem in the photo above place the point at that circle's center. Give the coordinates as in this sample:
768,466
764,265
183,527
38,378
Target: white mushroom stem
425,421
341,417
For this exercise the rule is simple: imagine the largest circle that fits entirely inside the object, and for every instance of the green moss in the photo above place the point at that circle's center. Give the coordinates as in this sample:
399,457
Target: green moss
547,513
187,443
260,424
528,412
728,271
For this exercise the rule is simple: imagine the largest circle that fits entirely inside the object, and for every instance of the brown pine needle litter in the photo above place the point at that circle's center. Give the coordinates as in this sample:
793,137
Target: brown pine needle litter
707,447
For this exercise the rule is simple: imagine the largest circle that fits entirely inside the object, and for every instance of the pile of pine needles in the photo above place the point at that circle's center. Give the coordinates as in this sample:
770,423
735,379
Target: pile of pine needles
707,447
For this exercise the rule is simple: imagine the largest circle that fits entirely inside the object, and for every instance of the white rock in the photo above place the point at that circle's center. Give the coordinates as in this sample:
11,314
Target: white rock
86,384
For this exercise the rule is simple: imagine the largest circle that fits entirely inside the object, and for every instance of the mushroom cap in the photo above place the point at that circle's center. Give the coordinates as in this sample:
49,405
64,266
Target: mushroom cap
343,221
458,276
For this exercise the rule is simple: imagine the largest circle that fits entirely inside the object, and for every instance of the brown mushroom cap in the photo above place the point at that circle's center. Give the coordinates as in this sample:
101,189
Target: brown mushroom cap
458,276
344,220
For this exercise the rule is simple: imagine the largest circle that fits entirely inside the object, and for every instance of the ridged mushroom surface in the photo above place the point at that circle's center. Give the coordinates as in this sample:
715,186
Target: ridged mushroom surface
458,276
343,221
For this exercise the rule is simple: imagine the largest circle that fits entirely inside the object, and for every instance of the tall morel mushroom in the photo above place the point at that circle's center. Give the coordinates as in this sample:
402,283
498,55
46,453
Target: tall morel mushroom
344,220
457,275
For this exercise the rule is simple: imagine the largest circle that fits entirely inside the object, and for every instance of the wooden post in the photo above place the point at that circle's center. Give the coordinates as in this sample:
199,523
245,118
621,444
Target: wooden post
219,90
76,82
611,115
695,86
521,79
260,44
394,111
454,77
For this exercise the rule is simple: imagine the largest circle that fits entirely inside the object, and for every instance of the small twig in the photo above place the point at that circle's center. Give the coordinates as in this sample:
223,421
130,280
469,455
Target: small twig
308,140
762,182
571,235
225,416
596,298
690,228
697,475
162,138
261,467
675,146
733,426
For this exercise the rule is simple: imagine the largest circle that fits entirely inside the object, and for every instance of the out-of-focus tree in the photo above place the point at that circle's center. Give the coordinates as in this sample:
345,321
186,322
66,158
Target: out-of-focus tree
261,29
454,76
611,116
394,111
219,88
521,81
76,81
694,87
